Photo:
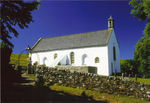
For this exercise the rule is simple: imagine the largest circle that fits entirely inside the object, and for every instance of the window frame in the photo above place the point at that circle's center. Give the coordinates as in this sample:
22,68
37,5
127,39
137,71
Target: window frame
72,58
97,60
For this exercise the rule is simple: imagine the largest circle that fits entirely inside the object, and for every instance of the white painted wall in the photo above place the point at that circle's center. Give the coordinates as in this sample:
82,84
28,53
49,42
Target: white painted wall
91,52
116,64
105,54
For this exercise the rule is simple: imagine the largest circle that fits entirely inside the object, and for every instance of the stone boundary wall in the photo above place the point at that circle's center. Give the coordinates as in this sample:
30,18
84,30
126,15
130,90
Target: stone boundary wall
89,81
82,69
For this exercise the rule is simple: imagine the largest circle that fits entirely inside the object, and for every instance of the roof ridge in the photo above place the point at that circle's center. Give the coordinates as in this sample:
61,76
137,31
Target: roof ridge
74,34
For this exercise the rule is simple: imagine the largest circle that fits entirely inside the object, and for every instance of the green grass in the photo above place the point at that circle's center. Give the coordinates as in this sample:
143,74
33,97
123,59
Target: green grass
66,89
23,61
111,98
142,80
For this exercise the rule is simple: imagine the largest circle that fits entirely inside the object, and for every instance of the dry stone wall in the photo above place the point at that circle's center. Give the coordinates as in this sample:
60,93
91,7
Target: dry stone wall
106,84
82,69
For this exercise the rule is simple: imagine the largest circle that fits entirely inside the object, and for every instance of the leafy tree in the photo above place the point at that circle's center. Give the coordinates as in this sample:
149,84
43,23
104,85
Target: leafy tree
3,45
5,52
8,74
141,10
15,13
142,56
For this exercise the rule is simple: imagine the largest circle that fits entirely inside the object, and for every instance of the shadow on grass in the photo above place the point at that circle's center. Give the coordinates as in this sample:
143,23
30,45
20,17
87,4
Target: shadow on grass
30,94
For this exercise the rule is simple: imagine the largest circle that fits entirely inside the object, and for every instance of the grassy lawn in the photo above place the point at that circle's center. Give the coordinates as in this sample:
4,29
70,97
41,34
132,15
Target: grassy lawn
142,80
111,98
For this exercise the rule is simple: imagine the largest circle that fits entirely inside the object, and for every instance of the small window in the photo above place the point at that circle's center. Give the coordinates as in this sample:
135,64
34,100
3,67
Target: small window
84,59
55,55
97,60
45,60
72,57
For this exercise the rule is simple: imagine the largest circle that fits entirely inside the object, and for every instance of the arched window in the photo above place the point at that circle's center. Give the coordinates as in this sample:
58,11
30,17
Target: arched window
44,60
55,55
84,59
97,60
114,53
72,57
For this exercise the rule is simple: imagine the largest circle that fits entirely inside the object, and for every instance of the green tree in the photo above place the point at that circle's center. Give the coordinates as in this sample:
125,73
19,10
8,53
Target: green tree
15,13
5,52
142,56
141,10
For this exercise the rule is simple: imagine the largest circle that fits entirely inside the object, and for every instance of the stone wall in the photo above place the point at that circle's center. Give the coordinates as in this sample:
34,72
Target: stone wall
106,84
82,69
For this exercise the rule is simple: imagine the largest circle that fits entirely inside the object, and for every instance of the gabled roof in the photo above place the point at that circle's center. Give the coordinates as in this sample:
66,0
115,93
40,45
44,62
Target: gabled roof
89,39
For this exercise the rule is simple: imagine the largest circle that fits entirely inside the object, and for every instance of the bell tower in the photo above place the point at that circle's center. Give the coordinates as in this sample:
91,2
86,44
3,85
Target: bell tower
110,23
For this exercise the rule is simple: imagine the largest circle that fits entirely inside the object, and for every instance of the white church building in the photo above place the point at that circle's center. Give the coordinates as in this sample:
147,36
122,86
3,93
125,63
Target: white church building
97,48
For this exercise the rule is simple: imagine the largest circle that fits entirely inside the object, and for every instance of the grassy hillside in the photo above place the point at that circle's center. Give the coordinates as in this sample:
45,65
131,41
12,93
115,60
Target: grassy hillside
23,61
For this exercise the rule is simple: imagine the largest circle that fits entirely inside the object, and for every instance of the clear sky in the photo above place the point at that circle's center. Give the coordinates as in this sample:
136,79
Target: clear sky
55,18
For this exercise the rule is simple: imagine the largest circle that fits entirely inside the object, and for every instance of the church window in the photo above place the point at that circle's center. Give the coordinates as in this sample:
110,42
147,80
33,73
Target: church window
44,60
55,55
72,57
97,60
84,59
114,53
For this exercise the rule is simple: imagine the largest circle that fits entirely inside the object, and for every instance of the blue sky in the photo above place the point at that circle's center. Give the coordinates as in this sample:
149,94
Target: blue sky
56,18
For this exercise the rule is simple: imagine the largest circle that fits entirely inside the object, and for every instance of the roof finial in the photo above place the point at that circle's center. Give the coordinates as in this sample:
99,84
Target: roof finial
110,22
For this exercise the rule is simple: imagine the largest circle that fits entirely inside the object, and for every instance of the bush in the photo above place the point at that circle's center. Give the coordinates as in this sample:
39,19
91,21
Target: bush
128,67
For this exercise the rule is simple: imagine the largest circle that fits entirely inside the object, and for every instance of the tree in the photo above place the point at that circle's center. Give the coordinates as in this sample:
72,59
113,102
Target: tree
15,13
142,56
141,10
5,52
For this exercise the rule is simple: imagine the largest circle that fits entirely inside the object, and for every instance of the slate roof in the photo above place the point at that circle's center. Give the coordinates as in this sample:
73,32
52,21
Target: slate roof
89,39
